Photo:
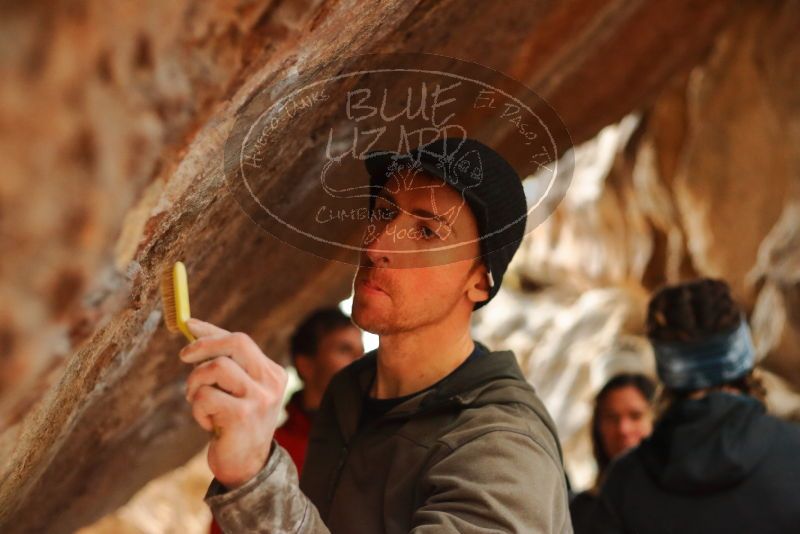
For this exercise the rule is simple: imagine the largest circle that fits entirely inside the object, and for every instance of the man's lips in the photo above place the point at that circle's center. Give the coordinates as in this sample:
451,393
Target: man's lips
371,286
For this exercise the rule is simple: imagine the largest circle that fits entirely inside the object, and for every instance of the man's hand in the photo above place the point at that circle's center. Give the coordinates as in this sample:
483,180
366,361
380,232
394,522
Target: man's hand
236,392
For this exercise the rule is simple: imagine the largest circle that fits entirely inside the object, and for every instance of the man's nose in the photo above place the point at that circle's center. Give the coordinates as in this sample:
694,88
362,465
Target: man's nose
627,427
376,245
392,243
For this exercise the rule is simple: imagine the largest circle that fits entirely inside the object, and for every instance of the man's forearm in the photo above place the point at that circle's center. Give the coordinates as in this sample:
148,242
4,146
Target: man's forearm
270,502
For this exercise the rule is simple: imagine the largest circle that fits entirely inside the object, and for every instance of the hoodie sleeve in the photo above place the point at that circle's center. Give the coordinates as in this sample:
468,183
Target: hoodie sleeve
502,480
271,502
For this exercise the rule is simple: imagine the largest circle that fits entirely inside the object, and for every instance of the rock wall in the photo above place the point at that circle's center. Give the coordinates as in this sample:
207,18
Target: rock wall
113,121
705,181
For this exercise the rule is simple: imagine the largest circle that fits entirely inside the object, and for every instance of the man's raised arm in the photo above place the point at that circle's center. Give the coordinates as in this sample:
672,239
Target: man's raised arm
236,392
270,502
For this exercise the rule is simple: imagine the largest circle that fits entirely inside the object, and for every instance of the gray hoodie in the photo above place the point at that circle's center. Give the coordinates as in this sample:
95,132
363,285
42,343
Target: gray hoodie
476,453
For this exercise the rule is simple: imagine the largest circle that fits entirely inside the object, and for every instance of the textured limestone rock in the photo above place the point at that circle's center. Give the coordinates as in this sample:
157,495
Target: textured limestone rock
171,503
113,124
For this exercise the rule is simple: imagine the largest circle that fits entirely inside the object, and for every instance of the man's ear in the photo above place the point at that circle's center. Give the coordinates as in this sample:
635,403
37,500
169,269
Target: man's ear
305,366
478,282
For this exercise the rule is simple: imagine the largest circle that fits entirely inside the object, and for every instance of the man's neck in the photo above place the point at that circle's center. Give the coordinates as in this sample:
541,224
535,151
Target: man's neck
700,393
411,361
311,399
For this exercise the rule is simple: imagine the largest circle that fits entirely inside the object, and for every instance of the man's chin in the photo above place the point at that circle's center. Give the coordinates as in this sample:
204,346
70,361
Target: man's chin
370,316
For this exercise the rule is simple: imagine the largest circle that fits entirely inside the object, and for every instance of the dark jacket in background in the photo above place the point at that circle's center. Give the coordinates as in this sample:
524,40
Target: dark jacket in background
713,465
478,453
583,509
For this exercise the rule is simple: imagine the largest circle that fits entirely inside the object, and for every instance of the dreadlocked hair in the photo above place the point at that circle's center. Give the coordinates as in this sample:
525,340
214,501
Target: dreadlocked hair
693,311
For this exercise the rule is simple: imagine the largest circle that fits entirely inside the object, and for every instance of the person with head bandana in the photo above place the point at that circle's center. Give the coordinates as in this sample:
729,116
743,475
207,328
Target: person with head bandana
715,462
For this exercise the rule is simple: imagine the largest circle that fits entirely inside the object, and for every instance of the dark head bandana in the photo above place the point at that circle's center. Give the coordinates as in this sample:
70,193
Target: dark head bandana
705,363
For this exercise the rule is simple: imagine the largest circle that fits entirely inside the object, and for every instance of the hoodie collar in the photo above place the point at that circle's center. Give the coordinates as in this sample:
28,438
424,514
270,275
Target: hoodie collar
707,444
463,386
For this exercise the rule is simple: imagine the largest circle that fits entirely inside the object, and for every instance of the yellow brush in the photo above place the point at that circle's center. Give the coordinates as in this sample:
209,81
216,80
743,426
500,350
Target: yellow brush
175,297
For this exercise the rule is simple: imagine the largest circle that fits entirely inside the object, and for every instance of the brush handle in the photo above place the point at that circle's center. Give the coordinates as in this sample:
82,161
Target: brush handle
186,333
180,287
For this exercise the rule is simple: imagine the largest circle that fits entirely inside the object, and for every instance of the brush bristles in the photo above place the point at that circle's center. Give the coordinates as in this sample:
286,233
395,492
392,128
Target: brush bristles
168,299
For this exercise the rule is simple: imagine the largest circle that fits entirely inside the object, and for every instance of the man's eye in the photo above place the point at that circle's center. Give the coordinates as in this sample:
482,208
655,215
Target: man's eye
427,233
384,213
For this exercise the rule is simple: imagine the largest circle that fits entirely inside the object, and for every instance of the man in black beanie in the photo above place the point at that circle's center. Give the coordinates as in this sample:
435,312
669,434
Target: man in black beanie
431,432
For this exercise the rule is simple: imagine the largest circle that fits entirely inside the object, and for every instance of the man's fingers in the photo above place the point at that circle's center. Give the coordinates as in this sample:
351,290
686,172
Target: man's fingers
203,329
212,407
238,346
221,371
199,350
203,418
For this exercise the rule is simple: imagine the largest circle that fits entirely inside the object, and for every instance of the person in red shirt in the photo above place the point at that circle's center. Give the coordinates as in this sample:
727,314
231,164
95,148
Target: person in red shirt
324,342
